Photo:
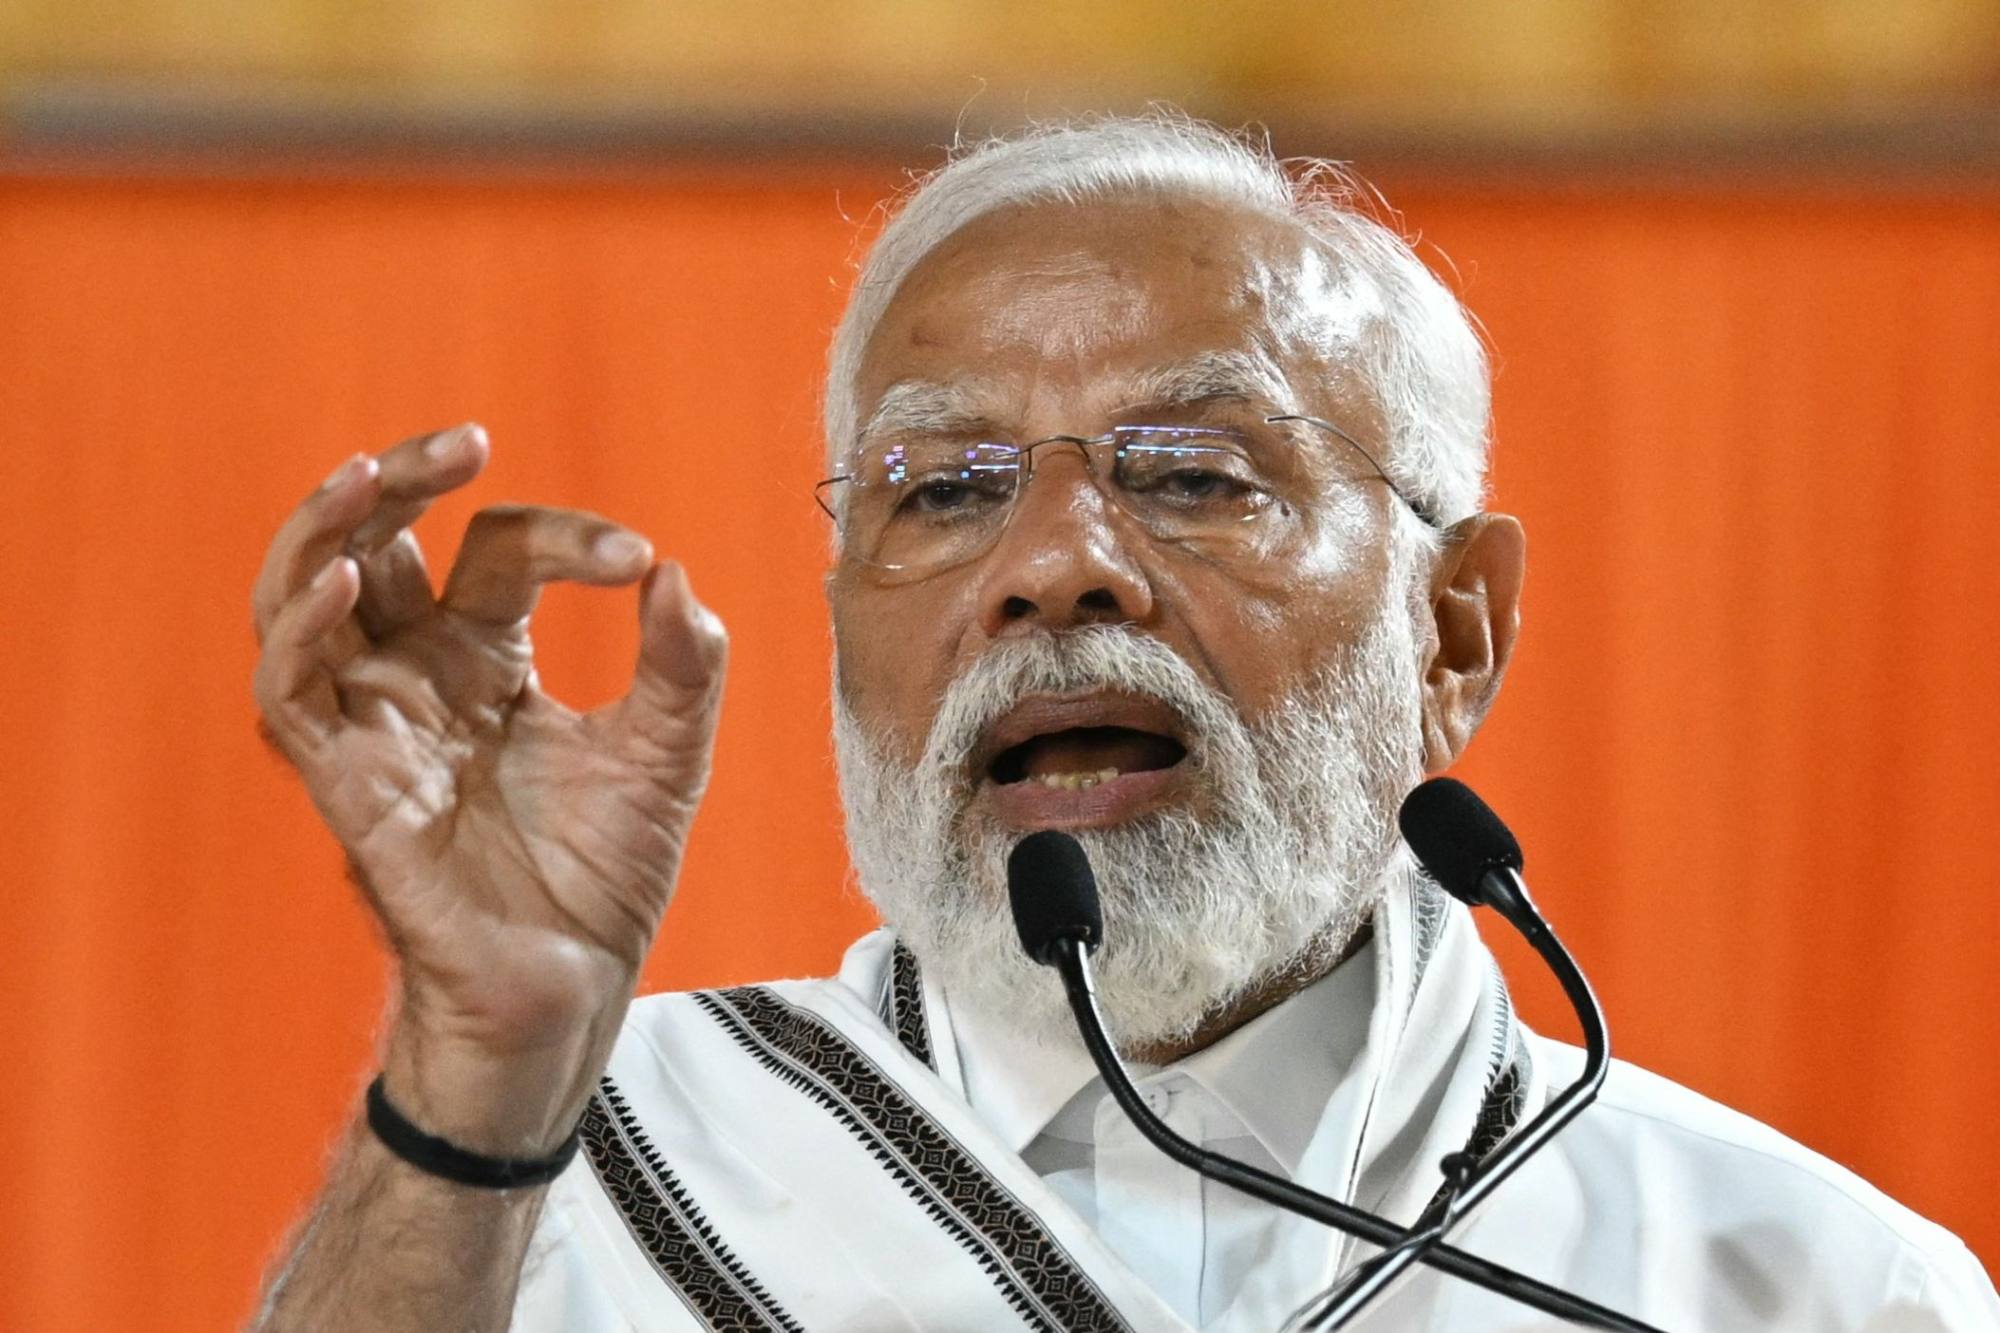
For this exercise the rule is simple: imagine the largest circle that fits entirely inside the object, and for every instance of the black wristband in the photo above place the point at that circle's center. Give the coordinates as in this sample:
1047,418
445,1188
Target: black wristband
443,1158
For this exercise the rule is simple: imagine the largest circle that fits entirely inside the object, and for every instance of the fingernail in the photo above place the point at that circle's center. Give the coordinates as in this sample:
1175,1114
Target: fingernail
447,441
688,661
327,571
697,615
620,548
345,473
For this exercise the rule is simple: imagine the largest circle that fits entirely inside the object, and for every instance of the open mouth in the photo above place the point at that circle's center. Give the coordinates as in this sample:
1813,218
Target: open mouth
1078,758
1088,761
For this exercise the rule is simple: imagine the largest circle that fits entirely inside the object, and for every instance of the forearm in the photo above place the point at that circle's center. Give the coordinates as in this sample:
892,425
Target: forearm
388,1248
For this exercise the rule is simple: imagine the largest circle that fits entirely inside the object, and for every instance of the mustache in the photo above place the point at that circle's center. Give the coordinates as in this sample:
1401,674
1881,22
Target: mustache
1094,657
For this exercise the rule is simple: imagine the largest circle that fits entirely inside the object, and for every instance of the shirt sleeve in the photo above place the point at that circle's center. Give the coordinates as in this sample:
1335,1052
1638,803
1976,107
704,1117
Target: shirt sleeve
1939,1289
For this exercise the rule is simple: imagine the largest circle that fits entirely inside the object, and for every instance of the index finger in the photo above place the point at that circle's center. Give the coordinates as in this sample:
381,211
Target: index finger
414,473
366,499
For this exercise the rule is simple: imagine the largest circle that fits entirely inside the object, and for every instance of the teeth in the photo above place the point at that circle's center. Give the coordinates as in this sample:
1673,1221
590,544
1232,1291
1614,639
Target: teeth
1076,781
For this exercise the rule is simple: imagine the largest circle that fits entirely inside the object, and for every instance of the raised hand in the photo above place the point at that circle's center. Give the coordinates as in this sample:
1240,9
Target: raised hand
518,854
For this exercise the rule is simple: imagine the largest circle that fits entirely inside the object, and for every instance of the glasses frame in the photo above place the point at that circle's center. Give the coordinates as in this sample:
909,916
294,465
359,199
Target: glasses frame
1428,516
1026,452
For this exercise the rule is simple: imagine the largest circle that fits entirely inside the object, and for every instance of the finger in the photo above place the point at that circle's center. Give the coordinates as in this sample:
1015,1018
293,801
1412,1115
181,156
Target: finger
510,551
395,587
414,473
682,643
676,692
345,512
293,682
313,535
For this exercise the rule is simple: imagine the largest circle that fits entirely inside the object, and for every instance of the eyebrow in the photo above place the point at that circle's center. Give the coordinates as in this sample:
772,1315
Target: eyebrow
939,407
1207,377
928,406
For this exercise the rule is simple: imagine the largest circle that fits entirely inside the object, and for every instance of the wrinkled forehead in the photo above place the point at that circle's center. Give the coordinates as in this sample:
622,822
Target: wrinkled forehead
1093,309
1203,381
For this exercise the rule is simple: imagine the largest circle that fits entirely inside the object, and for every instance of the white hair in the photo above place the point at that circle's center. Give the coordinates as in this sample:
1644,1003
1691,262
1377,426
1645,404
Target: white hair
1419,352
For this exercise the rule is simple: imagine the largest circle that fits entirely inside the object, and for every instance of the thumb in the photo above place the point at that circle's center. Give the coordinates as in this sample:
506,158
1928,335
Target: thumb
676,691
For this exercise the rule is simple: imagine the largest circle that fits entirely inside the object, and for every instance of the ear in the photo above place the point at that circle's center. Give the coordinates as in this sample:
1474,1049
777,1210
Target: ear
1475,620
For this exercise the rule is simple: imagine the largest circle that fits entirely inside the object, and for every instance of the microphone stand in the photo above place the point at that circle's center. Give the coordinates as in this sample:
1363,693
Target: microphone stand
1070,956
1504,889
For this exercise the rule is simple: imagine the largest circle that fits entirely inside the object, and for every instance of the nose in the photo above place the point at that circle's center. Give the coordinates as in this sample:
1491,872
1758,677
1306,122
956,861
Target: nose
1064,559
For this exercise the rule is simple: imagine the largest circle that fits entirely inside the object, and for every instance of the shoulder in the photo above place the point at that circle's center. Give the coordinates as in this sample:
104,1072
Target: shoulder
664,1020
684,1135
1681,1163
1664,1124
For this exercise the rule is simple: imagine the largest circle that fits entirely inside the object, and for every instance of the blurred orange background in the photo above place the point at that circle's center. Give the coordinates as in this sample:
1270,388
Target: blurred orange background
1739,265
1748,741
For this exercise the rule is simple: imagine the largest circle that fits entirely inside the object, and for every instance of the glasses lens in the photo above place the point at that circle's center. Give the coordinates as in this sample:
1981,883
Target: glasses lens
922,504
1195,485
917,505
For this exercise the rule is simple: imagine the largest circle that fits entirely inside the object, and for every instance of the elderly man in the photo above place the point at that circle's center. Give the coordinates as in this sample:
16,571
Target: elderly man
1157,479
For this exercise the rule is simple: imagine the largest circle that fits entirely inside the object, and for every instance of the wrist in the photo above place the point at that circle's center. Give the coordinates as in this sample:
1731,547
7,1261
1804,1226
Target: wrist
442,1158
520,1102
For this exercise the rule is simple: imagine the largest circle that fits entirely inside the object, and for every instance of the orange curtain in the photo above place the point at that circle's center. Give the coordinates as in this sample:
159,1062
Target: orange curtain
1748,741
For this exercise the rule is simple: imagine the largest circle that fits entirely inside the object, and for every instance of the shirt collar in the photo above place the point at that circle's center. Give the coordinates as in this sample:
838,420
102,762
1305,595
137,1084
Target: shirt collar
1275,1073
1014,1082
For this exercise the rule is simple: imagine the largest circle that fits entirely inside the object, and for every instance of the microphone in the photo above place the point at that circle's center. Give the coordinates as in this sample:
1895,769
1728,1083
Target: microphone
1053,894
1056,913
1473,855
1468,850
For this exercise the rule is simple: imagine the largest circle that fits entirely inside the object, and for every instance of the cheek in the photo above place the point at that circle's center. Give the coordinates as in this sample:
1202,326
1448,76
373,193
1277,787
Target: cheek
1339,558
888,650
1279,624
1347,542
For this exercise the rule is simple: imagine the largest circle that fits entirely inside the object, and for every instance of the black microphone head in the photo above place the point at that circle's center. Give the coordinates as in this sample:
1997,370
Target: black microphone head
1457,837
1053,893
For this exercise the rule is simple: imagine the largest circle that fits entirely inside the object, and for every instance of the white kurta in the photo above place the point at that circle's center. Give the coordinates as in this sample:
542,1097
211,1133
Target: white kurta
1192,1240
848,1154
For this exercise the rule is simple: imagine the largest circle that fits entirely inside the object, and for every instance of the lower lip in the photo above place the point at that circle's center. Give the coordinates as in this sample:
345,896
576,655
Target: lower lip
1030,805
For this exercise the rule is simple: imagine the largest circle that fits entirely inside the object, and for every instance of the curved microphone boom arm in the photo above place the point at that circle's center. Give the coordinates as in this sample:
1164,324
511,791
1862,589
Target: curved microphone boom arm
1346,1301
1056,912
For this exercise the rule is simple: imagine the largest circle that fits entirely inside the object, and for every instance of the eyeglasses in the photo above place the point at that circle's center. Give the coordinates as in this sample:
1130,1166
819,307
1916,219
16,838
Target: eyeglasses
918,505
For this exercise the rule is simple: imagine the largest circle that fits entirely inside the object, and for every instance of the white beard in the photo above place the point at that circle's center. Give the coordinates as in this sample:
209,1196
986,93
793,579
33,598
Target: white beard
1275,880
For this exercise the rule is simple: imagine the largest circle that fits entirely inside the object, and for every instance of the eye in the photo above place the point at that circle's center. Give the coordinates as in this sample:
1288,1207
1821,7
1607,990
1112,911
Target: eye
939,496
1188,474
1192,483
956,493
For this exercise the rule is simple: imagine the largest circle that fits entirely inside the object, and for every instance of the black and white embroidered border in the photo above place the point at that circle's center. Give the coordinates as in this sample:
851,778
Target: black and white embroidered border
1501,1109
685,1250
906,1005
1430,910
1506,1098
1033,1274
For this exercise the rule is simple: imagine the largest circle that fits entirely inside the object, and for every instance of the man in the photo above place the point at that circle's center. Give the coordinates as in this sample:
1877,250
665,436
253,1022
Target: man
1157,480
